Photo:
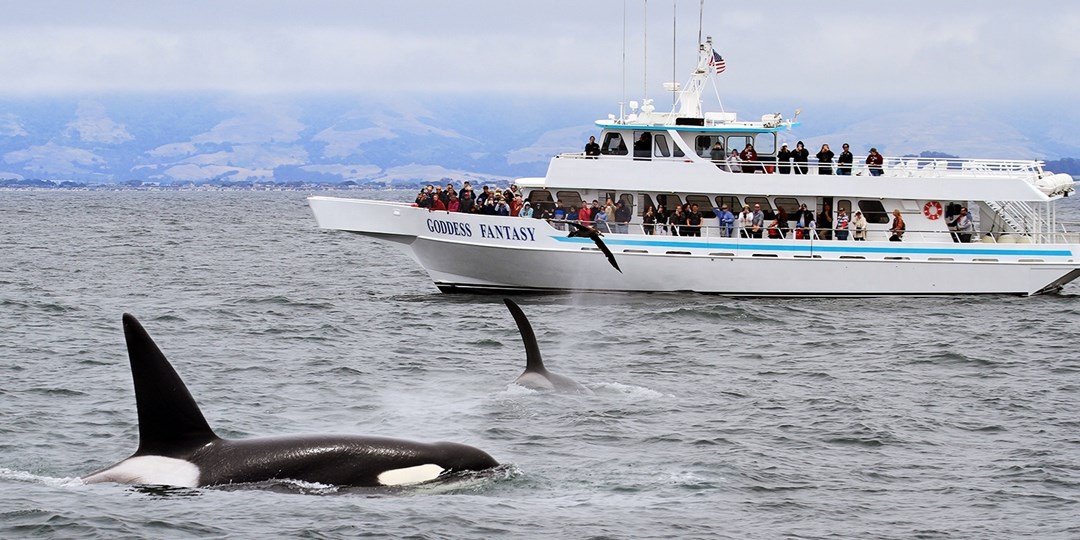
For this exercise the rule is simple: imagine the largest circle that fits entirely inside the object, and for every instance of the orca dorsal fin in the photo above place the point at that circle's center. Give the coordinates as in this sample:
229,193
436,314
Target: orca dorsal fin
533,362
170,422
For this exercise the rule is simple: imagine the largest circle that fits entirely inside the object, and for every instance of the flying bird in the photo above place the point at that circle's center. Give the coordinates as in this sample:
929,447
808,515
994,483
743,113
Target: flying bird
581,231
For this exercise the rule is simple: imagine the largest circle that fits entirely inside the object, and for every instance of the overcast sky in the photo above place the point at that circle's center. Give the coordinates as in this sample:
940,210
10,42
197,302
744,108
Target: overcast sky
833,50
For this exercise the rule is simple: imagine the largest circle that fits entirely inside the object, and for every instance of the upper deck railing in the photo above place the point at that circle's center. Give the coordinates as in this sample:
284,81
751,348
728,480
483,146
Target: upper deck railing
894,166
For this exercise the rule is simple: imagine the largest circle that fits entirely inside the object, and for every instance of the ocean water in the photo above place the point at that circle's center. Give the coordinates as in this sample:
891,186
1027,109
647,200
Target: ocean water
712,417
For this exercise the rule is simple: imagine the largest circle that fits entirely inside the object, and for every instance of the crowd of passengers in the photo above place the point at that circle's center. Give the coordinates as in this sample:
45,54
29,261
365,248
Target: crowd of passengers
681,220
795,161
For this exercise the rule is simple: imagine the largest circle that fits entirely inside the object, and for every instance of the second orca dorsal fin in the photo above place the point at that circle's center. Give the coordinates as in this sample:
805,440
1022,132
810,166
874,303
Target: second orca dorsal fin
170,422
533,362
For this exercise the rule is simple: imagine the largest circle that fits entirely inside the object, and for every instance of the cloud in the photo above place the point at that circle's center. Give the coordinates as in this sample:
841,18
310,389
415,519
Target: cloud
916,49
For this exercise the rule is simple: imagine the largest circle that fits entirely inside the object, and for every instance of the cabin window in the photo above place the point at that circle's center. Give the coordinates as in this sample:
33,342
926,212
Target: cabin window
569,198
873,211
541,201
731,201
766,208
628,200
704,143
704,205
660,145
845,205
613,144
642,145
670,201
789,204
646,201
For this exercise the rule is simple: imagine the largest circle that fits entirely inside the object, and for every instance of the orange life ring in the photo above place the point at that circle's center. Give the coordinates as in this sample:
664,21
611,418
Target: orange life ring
932,210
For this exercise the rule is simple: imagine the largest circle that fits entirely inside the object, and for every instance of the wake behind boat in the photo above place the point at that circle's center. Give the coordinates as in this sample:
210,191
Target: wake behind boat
865,227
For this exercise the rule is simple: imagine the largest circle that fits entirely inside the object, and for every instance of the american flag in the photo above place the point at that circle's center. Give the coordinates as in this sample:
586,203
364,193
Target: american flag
718,62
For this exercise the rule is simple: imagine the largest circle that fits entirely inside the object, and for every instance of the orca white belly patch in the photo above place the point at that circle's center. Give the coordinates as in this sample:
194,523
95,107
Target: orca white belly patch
157,470
410,475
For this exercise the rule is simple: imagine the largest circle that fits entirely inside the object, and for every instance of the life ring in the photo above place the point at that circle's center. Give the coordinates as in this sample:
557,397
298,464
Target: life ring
932,210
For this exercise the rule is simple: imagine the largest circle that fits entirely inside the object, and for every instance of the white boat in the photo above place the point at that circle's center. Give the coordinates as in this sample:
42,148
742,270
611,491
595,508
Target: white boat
1017,245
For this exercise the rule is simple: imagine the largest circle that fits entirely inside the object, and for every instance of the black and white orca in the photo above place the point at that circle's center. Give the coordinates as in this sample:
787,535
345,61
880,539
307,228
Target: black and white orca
178,448
536,376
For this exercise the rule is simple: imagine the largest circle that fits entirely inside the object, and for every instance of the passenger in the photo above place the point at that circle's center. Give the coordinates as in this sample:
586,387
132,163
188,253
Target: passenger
422,199
465,187
585,214
734,163
623,215
514,192
964,226
874,161
483,197
749,158
526,210
782,222
516,204
717,154
746,218
592,149
501,207
825,222
662,221
801,156
842,221
454,205
643,146
727,221
609,207
824,158
757,222
693,221
600,220
860,227
678,222
572,215
843,163
445,194
783,159
803,216
467,201
559,215
648,220
898,227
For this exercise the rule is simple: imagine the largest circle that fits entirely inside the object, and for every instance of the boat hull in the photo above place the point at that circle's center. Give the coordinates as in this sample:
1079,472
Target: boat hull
478,253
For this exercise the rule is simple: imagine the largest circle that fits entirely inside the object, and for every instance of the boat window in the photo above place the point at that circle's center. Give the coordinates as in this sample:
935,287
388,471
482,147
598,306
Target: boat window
704,205
646,201
873,211
642,145
704,143
766,207
628,200
731,201
845,205
613,144
569,198
670,201
541,200
789,204
660,146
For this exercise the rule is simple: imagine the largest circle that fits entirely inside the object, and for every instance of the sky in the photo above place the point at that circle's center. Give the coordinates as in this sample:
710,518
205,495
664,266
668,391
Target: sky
823,51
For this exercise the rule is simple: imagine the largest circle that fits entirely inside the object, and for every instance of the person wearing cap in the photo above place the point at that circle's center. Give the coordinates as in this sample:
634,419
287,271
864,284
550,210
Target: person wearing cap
843,163
727,220
783,159
842,221
874,161
860,227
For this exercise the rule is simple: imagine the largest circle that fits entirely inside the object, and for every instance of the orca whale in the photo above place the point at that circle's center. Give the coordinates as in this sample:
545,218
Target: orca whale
178,448
536,376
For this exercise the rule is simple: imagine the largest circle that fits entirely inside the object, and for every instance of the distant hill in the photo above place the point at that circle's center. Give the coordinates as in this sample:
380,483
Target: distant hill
187,139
